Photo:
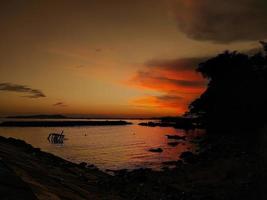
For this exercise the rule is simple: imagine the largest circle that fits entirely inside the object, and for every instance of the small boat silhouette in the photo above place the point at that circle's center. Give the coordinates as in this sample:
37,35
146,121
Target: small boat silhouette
56,138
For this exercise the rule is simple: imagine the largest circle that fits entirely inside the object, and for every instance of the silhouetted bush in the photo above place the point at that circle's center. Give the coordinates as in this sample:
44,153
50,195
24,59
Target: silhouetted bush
236,95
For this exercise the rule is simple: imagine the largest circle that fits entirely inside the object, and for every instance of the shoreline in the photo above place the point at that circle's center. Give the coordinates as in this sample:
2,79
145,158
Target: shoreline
223,169
49,176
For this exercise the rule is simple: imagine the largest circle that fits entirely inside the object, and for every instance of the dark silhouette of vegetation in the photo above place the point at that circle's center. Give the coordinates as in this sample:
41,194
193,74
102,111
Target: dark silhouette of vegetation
236,95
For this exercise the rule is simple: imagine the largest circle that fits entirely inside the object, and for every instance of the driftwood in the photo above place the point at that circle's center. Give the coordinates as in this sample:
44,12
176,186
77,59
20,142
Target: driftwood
56,138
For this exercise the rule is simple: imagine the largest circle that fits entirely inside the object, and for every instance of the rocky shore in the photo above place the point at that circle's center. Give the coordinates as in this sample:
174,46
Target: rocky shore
175,122
226,167
45,176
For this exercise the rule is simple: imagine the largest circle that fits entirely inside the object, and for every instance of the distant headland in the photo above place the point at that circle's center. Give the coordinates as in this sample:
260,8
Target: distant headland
38,117
60,116
62,123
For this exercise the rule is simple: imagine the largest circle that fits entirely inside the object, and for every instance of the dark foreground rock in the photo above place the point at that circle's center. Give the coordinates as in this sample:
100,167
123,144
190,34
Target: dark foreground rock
12,187
189,157
226,168
46,176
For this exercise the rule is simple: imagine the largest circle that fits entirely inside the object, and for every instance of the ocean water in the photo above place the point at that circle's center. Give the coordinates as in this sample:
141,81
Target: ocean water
109,147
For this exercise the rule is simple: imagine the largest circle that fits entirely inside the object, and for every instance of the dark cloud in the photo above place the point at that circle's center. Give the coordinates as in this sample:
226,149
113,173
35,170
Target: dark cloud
181,72
182,64
32,93
60,104
169,97
222,21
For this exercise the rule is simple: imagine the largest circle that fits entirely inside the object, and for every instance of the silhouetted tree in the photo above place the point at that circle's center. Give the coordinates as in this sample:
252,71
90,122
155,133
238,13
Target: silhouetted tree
236,95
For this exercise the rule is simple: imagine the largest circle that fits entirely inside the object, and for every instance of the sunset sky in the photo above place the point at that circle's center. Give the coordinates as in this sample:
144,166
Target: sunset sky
116,58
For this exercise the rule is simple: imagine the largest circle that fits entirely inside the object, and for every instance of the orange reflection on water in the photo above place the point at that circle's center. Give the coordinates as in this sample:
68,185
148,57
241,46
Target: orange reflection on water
113,147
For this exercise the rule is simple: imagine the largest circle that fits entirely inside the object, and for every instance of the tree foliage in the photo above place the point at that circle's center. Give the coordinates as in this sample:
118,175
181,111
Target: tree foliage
236,95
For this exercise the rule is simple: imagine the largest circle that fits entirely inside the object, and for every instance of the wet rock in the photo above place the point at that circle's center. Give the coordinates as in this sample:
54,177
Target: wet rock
121,172
150,124
83,164
170,162
91,166
179,163
139,175
173,144
188,157
176,137
156,150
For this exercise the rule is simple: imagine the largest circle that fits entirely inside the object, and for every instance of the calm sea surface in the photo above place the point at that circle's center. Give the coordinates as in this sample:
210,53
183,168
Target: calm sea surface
108,147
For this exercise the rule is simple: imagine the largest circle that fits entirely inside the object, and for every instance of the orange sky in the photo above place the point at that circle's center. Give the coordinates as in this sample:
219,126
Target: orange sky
100,58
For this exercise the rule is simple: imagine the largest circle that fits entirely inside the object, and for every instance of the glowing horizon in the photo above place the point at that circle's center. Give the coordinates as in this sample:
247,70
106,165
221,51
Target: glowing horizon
105,58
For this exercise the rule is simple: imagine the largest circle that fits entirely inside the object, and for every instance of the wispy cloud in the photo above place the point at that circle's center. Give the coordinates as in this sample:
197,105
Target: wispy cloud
177,75
60,104
31,93
98,50
176,80
144,77
165,101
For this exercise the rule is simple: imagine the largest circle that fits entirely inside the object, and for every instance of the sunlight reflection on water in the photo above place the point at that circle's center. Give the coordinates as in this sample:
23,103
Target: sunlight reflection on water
108,147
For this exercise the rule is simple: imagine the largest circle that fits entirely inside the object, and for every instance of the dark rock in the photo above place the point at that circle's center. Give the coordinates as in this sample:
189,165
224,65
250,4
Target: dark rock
83,164
173,144
188,157
176,137
179,163
150,124
91,166
12,186
156,150
121,172
139,175
170,162
37,149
